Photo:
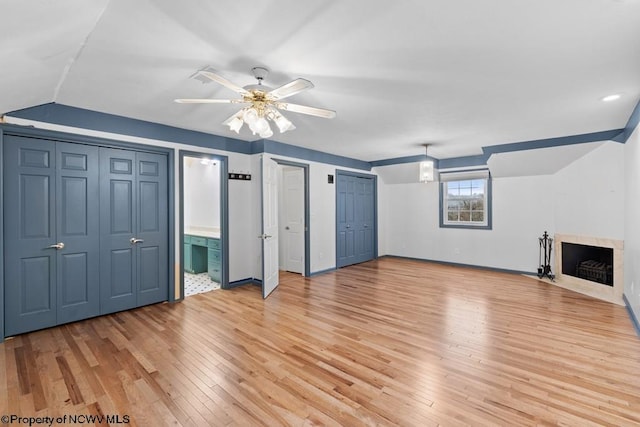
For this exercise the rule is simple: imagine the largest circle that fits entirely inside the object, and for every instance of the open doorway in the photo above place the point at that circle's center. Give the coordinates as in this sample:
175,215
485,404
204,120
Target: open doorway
291,220
293,217
285,222
202,222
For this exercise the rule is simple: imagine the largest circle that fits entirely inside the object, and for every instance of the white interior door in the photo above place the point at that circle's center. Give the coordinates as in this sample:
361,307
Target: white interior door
269,234
293,238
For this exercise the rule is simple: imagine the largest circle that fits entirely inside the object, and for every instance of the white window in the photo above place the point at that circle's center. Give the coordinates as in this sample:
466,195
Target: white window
465,199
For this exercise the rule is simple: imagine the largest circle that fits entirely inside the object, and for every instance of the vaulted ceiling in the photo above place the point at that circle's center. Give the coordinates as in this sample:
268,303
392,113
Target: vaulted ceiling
458,75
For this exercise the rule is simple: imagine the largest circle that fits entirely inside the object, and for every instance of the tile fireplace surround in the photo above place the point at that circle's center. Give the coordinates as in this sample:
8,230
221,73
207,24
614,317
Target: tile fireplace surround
597,290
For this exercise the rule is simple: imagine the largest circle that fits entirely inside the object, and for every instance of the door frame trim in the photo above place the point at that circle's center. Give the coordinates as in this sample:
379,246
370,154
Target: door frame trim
307,210
375,207
224,213
29,132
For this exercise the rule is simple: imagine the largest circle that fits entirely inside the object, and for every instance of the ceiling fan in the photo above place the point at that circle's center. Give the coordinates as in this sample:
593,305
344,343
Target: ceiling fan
262,102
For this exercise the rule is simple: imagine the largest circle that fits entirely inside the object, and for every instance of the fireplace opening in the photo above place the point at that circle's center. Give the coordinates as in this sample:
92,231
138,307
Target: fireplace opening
586,262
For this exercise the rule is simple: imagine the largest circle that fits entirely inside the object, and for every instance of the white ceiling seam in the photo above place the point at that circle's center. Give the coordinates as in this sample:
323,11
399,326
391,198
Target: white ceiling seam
67,67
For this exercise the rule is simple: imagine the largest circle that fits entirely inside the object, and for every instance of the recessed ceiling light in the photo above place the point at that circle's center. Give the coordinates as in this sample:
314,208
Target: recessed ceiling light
611,97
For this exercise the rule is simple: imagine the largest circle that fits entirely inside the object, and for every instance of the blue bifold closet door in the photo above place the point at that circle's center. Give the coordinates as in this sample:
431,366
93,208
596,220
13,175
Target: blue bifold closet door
133,229
51,233
356,226
85,231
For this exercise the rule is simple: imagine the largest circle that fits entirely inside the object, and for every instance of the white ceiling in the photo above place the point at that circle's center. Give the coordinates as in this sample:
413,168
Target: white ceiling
456,74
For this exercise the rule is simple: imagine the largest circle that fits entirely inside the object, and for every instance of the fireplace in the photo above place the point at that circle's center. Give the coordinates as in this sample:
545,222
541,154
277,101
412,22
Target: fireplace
593,263
590,265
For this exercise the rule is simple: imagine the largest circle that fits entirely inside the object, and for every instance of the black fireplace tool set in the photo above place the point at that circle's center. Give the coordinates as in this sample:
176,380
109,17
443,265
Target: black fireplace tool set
546,245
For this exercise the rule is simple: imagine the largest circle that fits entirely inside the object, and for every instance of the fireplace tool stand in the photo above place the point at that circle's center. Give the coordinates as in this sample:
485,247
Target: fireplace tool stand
546,245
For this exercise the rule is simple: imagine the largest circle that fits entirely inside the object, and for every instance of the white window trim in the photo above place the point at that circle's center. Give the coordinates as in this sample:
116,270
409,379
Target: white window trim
464,176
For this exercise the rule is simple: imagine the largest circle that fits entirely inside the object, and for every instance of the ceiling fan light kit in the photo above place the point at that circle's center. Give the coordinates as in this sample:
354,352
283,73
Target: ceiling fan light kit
263,102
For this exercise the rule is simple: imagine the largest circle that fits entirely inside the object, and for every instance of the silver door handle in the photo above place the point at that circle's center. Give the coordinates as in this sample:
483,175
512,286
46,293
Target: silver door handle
348,226
133,240
57,246
264,236
366,226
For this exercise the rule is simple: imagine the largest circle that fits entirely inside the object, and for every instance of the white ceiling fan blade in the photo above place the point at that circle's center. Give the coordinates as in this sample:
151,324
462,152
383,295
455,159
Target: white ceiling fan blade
207,101
303,109
221,80
291,88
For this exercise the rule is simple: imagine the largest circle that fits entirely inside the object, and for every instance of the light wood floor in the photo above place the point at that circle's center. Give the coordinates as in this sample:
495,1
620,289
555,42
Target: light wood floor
389,342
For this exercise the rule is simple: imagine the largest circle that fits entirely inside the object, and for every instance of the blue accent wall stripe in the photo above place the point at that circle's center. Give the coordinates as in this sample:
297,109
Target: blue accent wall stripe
408,159
257,147
631,125
618,135
65,115
607,135
319,272
457,264
77,117
247,281
288,150
632,315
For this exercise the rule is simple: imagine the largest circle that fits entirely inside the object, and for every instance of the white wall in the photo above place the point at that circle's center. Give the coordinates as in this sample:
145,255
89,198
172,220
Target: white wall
411,227
201,194
589,194
242,210
322,216
632,222
523,208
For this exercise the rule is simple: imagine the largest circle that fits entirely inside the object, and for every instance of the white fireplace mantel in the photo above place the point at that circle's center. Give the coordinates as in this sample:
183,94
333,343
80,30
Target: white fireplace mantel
611,294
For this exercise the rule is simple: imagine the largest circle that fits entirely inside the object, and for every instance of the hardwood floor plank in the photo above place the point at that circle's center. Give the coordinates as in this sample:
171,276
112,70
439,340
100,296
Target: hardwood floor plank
33,373
86,365
21,369
388,342
72,386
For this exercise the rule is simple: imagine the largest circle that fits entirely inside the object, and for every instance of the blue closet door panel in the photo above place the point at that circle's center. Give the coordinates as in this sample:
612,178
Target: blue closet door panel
365,219
77,218
149,207
35,285
351,245
149,272
29,230
359,249
369,200
152,208
117,227
39,155
35,195
359,189
121,194
355,219
74,207
341,219
346,220
122,284
74,269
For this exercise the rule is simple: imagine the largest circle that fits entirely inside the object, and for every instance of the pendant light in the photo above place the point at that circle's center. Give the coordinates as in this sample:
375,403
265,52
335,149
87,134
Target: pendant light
427,167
